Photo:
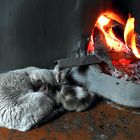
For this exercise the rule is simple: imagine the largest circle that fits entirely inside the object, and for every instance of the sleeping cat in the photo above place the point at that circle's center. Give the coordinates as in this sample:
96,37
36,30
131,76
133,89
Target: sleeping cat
29,97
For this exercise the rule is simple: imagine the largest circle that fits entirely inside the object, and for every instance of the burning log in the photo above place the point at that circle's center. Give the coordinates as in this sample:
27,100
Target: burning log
100,46
101,54
115,56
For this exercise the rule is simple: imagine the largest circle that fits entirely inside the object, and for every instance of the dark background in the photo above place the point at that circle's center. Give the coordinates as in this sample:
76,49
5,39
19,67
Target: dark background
38,32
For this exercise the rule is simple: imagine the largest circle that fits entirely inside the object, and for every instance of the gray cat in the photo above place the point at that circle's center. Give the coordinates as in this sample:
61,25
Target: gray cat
29,97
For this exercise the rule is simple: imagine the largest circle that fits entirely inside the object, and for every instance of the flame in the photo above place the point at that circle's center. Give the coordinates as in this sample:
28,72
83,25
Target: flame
129,28
105,23
102,21
114,17
112,41
130,36
133,45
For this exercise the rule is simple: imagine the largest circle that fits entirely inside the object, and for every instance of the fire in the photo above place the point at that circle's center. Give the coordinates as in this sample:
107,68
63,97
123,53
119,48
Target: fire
102,21
133,45
105,23
129,29
130,36
114,17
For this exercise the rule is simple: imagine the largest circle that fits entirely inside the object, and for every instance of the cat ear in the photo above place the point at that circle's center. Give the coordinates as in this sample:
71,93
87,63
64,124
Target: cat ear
56,69
56,72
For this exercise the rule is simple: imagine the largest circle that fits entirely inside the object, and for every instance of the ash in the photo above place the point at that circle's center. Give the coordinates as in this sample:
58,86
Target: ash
127,70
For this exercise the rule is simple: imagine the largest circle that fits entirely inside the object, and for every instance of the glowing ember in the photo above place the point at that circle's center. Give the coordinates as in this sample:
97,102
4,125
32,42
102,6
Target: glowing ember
105,22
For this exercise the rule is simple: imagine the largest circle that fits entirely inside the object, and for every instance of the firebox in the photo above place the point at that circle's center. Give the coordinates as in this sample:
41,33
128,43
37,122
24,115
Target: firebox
38,32
114,40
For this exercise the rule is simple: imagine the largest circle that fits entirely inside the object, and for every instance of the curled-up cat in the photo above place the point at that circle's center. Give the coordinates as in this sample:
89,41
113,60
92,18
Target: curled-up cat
23,104
29,97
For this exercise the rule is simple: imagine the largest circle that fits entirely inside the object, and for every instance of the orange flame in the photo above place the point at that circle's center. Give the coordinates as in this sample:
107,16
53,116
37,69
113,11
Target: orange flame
112,41
130,36
129,29
105,22
114,17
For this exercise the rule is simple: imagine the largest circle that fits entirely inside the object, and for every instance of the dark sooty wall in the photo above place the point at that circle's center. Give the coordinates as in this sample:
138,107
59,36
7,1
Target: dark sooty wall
37,32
